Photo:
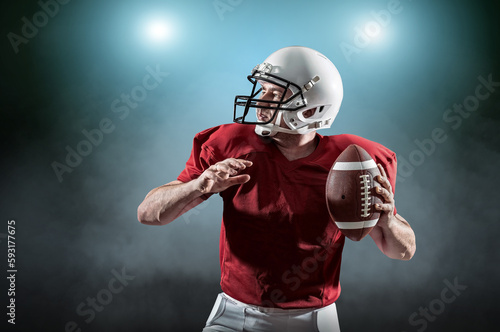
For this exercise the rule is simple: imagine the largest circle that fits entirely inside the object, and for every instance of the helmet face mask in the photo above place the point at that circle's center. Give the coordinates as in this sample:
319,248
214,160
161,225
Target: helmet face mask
312,80
293,103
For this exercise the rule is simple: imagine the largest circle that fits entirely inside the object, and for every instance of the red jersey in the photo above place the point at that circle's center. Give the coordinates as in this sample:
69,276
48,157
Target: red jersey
278,246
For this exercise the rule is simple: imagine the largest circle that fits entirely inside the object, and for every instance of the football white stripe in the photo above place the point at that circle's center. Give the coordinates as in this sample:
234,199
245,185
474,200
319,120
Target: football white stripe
356,224
354,165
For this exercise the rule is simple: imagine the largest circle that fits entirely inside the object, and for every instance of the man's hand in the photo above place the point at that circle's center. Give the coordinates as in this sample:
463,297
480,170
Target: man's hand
223,175
393,234
385,191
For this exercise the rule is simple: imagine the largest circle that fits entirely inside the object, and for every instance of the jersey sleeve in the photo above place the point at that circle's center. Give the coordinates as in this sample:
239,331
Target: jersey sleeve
201,158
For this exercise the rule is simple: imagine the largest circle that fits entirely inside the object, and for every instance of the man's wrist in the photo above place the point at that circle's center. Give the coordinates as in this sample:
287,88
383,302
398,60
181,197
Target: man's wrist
389,222
198,191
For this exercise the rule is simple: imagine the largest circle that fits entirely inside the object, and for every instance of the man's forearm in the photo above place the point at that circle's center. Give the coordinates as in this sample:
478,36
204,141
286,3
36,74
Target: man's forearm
396,239
164,204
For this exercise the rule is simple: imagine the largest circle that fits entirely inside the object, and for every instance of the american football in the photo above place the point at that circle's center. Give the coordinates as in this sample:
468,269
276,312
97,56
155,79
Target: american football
350,192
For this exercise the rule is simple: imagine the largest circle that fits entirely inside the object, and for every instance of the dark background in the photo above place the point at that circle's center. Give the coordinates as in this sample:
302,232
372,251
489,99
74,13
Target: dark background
73,232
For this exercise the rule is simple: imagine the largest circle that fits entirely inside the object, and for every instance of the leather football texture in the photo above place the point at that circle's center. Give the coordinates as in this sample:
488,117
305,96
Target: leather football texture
350,193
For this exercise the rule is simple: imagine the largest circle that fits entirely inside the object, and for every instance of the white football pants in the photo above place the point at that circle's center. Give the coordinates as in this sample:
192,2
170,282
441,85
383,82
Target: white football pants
230,315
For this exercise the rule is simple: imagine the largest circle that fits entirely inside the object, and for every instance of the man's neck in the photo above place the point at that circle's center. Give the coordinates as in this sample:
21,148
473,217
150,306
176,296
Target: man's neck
295,146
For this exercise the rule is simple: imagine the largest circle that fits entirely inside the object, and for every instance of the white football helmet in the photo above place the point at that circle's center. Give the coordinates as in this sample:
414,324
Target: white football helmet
314,82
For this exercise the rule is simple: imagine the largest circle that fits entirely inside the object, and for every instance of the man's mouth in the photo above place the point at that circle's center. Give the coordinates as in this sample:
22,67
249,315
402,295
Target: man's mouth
262,117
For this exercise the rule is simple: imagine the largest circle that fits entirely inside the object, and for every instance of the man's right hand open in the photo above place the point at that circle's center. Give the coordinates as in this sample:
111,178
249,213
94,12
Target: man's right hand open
223,175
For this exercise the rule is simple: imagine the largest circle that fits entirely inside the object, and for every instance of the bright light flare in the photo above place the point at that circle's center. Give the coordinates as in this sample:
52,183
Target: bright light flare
158,30
373,30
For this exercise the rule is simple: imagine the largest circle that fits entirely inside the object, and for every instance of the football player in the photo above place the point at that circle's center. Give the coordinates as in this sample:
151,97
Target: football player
280,253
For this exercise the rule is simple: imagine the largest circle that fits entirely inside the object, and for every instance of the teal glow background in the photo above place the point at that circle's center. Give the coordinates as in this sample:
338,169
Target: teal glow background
73,233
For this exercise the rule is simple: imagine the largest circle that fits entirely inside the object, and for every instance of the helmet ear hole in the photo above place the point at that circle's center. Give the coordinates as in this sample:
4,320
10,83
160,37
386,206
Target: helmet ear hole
309,113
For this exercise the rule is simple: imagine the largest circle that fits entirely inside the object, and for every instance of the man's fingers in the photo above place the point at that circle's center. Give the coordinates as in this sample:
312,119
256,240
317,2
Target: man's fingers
384,207
232,166
382,179
384,193
239,164
382,170
247,163
225,169
239,179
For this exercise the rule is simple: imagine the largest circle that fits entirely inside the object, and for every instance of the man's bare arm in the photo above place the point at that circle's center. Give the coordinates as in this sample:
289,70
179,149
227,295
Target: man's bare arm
395,238
164,204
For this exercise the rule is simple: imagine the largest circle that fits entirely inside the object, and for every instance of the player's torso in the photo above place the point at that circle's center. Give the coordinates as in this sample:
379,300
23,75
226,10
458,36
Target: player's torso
283,204
276,223
278,245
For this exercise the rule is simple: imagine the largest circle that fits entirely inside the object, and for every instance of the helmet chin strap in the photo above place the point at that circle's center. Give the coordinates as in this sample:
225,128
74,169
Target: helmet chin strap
270,129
